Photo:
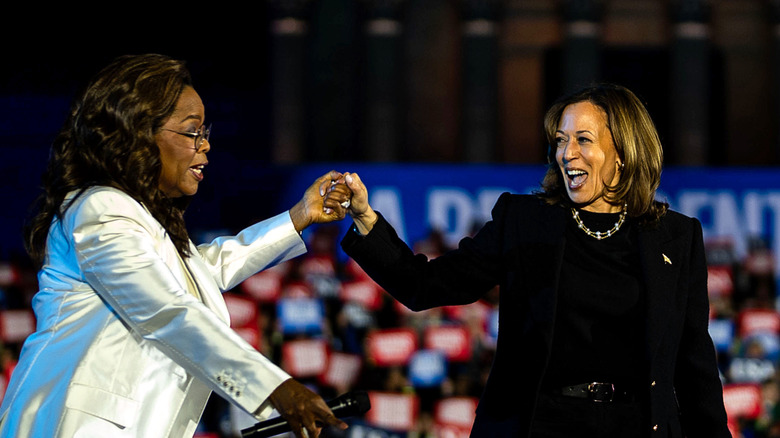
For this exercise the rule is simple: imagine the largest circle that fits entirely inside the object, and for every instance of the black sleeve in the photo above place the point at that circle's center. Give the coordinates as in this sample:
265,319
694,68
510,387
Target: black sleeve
460,276
697,382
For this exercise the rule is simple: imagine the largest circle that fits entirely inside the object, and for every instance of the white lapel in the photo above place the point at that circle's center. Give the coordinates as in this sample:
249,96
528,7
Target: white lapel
209,292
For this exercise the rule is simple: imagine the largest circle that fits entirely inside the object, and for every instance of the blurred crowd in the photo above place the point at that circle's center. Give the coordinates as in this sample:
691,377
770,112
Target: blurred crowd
327,324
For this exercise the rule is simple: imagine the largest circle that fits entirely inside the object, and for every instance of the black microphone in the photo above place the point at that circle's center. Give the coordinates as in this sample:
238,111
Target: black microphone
346,405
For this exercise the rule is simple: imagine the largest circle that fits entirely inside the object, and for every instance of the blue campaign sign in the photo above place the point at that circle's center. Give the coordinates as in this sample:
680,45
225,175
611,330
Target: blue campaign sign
427,368
735,203
300,315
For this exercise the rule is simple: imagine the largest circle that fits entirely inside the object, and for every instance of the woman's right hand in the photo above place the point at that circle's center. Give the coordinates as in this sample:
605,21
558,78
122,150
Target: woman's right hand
303,409
360,210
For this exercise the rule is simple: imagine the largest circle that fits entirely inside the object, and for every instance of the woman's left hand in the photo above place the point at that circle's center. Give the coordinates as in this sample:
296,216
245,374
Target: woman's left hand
324,201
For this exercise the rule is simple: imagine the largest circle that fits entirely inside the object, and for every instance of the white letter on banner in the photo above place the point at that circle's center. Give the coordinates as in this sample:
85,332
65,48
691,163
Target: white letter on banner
727,220
486,200
387,201
725,215
691,202
441,202
773,201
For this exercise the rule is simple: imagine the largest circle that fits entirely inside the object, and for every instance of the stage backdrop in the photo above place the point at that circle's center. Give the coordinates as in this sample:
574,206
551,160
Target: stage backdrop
736,204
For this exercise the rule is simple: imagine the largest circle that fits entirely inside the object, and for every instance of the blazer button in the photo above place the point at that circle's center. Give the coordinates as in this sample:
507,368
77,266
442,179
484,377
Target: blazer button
655,428
652,384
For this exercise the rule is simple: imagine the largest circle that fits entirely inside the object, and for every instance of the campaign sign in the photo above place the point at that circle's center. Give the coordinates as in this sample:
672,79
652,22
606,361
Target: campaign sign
720,281
455,415
750,369
305,357
753,321
453,340
342,370
742,400
427,368
390,347
265,286
393,411
300,315
243,311
16,325
365,292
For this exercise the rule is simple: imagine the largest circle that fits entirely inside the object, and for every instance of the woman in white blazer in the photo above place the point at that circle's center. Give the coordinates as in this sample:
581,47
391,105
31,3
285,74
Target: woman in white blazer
133,334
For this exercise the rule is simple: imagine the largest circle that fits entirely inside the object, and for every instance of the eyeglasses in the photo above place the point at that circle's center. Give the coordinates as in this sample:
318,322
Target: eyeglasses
200,136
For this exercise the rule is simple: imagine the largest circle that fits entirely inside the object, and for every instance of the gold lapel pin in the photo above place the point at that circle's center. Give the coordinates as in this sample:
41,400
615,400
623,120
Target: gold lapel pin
666,259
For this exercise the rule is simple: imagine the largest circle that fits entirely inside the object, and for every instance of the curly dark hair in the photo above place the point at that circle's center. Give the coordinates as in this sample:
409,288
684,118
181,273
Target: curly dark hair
108,140
637,144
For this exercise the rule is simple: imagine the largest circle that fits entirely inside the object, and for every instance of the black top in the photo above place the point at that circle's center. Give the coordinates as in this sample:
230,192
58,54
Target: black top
600,317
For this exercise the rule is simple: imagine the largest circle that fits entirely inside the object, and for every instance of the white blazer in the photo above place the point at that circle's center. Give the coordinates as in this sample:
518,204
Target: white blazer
122,347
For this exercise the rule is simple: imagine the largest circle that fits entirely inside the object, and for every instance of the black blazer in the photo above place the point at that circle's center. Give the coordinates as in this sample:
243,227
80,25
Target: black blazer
521,250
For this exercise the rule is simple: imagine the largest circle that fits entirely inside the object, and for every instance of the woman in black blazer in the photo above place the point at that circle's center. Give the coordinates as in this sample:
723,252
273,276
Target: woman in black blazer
603,308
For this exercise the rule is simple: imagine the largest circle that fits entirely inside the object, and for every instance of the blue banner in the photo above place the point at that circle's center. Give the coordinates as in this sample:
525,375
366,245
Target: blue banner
732,203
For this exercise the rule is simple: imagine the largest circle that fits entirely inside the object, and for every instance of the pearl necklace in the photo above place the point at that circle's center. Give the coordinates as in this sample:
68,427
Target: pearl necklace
598,234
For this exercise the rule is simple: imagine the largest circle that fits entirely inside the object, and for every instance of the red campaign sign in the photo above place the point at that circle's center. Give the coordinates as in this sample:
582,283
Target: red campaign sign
453,340
456,412
365,292
720,280
243,311
754,321
16,325
391,347
393,411
305,358
342,370
742,400
265,286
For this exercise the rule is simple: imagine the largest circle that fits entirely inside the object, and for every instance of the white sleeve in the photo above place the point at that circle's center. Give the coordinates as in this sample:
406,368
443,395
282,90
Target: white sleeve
118,249
233,259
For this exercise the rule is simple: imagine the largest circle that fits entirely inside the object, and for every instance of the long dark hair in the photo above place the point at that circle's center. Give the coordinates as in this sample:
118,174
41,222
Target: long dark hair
636,141
108,140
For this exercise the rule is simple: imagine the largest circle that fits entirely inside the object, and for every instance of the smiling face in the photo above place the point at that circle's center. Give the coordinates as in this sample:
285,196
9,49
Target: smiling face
182,165
587,157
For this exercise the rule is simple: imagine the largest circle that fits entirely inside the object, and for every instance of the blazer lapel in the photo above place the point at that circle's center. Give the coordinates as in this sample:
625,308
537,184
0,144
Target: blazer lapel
209,292
661,261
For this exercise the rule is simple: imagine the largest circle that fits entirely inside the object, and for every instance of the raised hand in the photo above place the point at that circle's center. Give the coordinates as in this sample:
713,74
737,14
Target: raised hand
360,210
322,202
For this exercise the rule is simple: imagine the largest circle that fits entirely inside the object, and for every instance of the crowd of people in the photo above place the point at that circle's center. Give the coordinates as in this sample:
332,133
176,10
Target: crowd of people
739,288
